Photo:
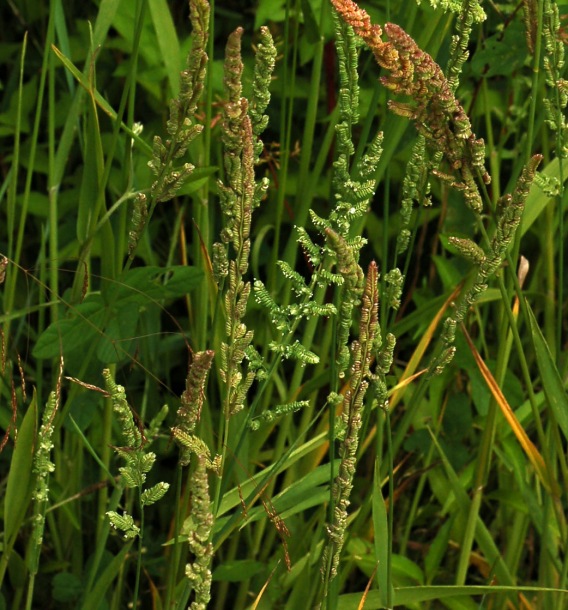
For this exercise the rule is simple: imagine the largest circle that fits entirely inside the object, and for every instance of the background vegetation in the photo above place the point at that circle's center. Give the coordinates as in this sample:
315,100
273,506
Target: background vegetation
377,425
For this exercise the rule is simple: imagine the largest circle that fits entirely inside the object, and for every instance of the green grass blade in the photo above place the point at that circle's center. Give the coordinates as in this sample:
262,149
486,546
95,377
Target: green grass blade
101,102
20,480
415,595
105,579
551,380
381,527
537,199
168,41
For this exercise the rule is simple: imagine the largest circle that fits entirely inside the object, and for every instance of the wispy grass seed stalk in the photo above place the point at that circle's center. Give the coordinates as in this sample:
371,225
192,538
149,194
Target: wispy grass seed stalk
362,353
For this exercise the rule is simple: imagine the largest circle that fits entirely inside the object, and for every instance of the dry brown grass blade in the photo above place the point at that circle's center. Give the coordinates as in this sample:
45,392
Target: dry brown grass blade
528,446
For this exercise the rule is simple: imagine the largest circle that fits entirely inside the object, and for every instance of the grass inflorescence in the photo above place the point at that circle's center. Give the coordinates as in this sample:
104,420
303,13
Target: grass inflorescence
283,305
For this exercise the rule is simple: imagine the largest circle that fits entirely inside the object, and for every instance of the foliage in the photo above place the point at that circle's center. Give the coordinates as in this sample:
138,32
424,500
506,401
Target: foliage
337,256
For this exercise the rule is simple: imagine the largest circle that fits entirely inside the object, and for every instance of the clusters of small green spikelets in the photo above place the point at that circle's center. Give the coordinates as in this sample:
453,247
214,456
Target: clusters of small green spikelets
191,403
199,524
181,126
240,193
416,188
353,188
508,217
270,416
436,112
553,65
42,468
456,6
362,352
265,60
468,14
353,282
138,461
198,529
137,222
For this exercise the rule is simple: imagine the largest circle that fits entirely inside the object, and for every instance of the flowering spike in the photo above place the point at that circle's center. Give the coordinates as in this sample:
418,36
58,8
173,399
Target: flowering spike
437,114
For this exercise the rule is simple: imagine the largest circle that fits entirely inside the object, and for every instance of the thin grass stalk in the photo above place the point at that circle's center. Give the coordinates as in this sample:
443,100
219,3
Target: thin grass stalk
535,79
305,180
417,496
105,453
390,516
202,230
560,154
126,105
13,182
175,553
52,190
100,547
308,135
287,97
494,165
15,249
303,206
486,450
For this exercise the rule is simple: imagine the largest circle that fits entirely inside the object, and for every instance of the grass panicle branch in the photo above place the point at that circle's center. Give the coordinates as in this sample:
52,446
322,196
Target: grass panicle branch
437,114
192,399
310,430
240,195
139,462
181,125
362,353
456,6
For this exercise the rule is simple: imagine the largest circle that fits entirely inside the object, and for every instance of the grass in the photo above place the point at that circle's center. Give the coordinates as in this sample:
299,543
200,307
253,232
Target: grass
314,362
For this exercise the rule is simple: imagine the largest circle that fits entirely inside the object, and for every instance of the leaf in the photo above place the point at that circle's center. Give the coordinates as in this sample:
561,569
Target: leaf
301,495
311,27
115,313
237,570
93,162
167,41
404,596
66,587
82,327
104,579
118,333
482,535
381,527
234,496
20,480
551,380
503,53
147,283
100,100
537,199
198,178
269,10
528,446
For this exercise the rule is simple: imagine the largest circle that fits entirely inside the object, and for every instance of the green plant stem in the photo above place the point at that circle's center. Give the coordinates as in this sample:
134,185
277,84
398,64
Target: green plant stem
100,547
139,554
389,542
106,454
287,94
535,80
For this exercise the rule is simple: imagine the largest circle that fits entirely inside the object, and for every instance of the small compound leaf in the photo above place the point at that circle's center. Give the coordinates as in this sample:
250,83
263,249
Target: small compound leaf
118,333
66,587
81,327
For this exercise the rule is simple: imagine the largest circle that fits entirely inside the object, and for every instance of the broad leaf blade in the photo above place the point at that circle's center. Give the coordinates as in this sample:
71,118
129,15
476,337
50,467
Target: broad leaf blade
20,480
